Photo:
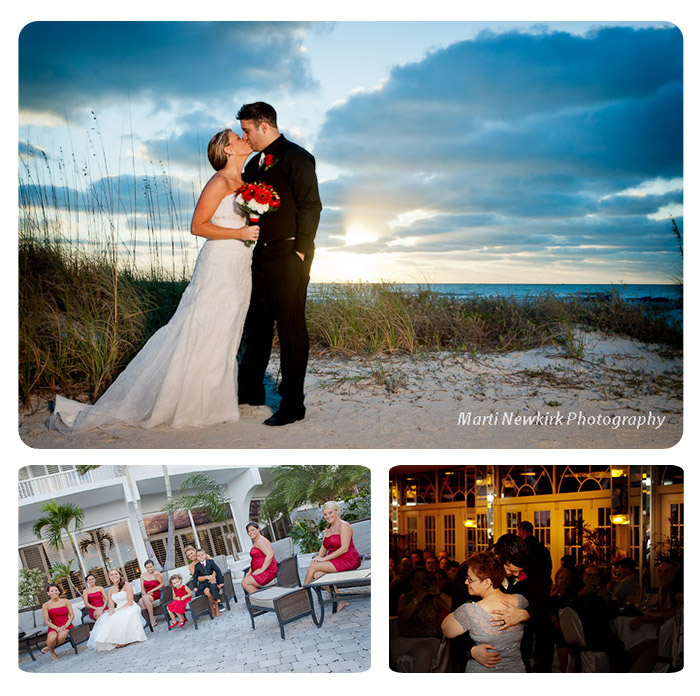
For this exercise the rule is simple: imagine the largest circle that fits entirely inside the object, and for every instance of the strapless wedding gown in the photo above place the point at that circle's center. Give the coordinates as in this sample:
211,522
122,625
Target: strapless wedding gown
123,627
186,374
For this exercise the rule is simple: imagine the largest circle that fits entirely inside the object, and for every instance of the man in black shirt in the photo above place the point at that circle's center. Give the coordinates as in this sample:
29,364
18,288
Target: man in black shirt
281,264
539,573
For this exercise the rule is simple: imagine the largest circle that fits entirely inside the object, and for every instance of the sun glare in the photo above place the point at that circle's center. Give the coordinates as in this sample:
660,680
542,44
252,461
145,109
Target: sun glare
355,235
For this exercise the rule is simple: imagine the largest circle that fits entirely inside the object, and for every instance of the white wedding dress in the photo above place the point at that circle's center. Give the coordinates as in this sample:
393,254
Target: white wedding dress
121,628
186,374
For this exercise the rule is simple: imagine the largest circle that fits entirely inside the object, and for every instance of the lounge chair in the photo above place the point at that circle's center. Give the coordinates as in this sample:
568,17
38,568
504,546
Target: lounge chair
288,600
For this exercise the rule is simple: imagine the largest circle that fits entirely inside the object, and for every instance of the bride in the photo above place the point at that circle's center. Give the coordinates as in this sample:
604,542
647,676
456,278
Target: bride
186,374
123,623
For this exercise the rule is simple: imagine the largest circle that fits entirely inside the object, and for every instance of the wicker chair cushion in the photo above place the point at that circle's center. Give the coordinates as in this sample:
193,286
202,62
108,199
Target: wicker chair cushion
344,576
265,598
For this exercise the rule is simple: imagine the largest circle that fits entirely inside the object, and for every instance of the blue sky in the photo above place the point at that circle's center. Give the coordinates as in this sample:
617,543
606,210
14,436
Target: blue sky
446,151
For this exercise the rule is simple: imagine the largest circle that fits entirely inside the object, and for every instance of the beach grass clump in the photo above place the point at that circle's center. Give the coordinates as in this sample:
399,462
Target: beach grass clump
369,318
79,321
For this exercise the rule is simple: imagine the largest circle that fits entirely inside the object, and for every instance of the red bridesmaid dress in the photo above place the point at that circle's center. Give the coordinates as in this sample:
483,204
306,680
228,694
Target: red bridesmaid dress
179,605
350,560
148,585
97,600
257,559
59,616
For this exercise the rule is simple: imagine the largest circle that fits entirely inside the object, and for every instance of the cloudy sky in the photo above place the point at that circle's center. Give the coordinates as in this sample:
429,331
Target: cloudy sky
446,151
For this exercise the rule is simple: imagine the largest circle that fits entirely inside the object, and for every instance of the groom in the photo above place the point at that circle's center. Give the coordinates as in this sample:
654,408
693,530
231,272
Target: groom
281,264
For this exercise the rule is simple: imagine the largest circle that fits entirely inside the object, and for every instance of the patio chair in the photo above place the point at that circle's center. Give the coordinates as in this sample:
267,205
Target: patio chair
76,636
342,586
584,660
197,607
228,590
288,600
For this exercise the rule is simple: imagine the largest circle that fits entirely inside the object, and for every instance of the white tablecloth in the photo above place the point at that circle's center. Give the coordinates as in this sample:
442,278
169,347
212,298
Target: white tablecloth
631,637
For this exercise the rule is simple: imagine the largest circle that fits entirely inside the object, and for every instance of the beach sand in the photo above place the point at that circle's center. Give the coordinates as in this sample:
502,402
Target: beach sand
622,394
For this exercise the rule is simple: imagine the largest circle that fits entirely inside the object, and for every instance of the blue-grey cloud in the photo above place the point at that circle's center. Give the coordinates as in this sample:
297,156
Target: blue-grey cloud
167,201
520,141
69,65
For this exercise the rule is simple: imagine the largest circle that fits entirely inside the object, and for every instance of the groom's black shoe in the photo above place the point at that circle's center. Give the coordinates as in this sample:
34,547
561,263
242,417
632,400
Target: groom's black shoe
284,418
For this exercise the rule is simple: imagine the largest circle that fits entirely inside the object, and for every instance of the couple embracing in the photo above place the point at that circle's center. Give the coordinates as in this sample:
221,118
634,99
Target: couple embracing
187,373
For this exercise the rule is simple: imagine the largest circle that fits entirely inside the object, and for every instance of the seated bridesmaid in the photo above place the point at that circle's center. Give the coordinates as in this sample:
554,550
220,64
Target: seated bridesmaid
58,616
178,607
151,583
94,596
263,566
338,551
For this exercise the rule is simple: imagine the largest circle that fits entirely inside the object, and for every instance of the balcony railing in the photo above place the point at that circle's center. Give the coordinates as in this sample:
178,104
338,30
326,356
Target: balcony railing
63,480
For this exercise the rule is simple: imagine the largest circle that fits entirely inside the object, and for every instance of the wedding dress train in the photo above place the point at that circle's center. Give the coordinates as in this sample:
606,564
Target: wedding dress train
186,374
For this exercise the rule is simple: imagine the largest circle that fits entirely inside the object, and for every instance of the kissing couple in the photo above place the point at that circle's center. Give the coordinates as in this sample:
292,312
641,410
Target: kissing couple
187,374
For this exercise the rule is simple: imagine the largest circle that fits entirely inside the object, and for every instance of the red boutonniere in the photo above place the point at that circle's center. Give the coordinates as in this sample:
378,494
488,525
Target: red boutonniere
522,576
268,162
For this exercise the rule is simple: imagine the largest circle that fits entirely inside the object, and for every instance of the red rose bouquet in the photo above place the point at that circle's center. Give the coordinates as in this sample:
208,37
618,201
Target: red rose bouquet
256,199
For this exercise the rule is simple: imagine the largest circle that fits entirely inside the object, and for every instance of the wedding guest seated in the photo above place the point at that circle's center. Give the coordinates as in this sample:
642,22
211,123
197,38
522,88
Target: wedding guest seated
592,606
431,564
664,607
669,596
593,583
205,576
568,561
626,584
419,613
94,597
58,617
439,580
151,584
178,607
444,563
563,594
452,569
400,584
393,562
417,558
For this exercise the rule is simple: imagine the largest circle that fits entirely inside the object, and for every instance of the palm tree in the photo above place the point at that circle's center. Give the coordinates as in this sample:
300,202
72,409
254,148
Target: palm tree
208,495
314,484
170,546
63,570
101,540
56,521
84,468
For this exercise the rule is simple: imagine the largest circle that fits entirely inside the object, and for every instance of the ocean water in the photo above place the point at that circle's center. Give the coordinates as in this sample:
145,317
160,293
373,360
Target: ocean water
633,293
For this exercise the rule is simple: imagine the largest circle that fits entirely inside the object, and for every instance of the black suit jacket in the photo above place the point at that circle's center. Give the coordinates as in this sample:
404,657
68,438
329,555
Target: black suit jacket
293,175
209,568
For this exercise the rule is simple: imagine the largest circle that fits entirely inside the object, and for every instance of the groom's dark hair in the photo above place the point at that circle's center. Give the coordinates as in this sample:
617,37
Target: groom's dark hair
257,113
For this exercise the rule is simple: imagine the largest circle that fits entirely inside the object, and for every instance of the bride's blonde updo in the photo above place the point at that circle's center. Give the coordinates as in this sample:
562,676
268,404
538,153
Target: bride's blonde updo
215,149
331,505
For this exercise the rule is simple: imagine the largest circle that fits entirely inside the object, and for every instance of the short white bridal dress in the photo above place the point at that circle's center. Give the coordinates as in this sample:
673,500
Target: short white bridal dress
121,628
186,375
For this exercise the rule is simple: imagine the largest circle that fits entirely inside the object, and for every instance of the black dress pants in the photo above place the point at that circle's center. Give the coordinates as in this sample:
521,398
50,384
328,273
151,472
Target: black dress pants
280,282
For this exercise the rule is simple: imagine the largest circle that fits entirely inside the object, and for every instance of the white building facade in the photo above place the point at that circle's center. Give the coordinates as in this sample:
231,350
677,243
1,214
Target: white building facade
113,498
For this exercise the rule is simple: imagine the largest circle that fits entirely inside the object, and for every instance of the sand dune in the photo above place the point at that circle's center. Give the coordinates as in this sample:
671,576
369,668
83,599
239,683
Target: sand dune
622,394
